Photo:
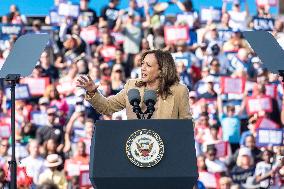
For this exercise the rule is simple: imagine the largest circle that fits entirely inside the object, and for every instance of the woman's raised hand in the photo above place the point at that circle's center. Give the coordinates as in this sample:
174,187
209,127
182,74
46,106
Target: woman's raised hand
86,82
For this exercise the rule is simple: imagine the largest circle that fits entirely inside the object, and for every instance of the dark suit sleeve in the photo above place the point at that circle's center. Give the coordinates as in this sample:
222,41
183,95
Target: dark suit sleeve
183,107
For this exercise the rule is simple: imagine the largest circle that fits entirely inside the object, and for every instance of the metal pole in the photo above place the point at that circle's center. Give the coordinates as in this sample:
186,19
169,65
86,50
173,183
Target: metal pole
13,162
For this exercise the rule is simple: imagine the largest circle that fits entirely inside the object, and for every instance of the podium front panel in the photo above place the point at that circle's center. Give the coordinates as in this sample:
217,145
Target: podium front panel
111,168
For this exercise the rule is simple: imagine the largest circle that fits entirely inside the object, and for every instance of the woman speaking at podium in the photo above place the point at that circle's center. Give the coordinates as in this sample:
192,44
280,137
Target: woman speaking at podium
158,73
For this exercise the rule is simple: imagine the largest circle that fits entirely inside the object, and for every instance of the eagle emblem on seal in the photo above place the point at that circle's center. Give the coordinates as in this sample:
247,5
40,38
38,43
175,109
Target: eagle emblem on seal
144,148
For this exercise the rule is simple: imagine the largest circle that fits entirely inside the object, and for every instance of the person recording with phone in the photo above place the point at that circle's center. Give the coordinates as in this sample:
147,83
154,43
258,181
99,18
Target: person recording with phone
164,97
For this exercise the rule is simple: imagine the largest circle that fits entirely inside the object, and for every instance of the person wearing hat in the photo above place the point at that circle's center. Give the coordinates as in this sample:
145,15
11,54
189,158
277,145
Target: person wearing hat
210,93
51,174
244,167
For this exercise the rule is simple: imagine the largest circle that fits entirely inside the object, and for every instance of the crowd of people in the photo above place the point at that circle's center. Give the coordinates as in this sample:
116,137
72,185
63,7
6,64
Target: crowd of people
236,103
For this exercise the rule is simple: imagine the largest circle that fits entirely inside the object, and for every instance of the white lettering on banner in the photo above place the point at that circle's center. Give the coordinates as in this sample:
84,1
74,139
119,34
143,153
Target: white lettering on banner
22,92
39,118
269,137
259,104
174,34
11,29
263,23
232,85
210,14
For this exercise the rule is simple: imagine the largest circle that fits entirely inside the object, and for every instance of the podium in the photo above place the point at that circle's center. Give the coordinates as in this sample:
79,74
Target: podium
121,153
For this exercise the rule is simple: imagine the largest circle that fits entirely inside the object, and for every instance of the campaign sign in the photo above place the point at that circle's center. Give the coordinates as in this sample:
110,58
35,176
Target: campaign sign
55,18
269,137
66,9
225,35
141,3
271,90
255,105
266,24
84,179
89,34
173,34
232,85
210,14
210,180
5,131
37,86
265,123
108,52
39,119
272,3
22,92
118,37
10,29
222,148
66,87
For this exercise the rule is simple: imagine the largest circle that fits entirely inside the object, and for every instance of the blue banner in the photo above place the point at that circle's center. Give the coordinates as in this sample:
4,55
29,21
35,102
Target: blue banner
269,137
22,92
10,29
266,24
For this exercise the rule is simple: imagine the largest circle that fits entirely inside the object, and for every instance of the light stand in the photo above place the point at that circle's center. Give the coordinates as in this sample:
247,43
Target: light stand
13,79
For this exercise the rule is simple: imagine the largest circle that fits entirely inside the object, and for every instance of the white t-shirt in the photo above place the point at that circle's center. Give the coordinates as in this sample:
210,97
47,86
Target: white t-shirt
238,20
215,166
263,168
34,167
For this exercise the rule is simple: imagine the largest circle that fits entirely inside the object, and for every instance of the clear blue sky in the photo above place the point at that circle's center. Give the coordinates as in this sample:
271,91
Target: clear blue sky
41,7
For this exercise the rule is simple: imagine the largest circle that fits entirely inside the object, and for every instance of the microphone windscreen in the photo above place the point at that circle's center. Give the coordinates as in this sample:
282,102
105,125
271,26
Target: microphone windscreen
150,95
134,95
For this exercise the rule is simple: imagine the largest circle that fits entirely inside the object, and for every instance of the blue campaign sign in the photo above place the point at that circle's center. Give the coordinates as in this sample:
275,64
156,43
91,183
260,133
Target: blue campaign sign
269,137
10,29
225,35
266,24
22,92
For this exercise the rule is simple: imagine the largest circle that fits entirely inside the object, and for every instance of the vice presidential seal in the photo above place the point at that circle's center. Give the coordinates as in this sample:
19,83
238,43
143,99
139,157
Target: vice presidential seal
144,148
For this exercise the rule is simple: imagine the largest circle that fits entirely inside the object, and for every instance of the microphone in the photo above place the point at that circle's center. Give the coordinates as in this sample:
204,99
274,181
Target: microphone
135,99
150,98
